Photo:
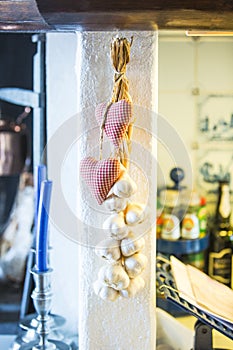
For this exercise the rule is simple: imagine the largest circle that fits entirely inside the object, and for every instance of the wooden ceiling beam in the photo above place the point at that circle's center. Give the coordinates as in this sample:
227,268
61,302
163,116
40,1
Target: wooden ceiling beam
21,15
70,15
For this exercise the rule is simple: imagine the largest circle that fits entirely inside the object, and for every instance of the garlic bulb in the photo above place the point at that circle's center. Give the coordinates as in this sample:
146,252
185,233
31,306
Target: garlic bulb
115,203
135,264
135,213
109,249
105,292
114,276
115,224
135,286
124,186
131,245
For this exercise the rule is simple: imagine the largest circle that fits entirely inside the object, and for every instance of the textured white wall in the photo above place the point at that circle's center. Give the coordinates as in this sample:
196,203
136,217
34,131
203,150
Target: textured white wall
124,324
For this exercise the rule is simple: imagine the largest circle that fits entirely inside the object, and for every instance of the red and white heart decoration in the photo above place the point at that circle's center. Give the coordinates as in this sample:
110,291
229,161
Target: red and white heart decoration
118,118
100,175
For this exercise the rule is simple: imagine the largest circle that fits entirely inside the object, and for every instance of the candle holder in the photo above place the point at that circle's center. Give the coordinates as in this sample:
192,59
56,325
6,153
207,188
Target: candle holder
42,298
28,330
28,325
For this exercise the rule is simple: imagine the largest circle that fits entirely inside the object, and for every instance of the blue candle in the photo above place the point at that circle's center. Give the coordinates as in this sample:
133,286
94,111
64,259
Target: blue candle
39,176
42,226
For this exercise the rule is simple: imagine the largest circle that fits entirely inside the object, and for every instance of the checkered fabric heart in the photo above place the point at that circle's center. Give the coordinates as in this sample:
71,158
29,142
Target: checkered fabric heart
100,175
117,120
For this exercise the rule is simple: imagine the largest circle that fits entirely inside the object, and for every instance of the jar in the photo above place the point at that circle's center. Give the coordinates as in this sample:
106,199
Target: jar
171,223
190,228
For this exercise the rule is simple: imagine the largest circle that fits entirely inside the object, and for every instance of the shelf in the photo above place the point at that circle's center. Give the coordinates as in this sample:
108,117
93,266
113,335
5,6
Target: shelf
182,246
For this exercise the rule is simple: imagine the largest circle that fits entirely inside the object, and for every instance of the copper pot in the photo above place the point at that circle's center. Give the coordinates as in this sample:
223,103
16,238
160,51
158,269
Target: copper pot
13,154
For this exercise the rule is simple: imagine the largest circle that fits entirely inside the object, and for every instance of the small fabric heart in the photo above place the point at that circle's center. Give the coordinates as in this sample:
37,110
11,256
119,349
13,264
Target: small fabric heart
117,120
100,175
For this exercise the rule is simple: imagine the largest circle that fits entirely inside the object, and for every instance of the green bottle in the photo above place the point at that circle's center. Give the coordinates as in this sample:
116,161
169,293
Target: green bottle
220,252
202,216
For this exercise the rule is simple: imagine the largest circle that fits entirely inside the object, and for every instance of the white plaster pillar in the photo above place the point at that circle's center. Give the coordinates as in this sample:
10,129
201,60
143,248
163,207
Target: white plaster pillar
126,323
62,91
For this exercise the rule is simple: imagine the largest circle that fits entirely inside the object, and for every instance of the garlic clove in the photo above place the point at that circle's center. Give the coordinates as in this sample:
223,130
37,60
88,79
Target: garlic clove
135,213
115,203
135,264
114,276
109,249
120,235
131,245
135,286
116,226
125,186
105,292
108,293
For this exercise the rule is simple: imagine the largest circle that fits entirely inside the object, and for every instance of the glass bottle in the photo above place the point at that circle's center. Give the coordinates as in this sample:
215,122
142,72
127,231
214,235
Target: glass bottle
190,223
202,216
171,223
220,252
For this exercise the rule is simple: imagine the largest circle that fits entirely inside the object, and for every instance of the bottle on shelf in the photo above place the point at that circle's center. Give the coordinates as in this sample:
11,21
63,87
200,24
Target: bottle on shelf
171,223
203,217
171,201
159,219
190,224
221,238
180,218
193,228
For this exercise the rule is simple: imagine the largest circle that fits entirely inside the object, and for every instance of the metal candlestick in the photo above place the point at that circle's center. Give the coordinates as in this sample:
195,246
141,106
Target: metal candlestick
29,324
42,298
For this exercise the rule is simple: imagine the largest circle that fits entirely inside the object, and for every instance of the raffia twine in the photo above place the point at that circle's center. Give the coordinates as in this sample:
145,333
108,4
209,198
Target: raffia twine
120,55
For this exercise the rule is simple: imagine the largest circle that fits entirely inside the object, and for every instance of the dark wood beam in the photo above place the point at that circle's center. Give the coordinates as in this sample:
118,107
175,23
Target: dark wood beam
70,15
132,5
138,14
21,15
147,20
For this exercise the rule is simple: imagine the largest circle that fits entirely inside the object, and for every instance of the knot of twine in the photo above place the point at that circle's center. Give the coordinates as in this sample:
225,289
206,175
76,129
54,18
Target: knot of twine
120,54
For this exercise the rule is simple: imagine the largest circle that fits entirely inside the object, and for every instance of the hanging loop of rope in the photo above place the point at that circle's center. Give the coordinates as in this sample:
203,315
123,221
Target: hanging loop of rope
120,54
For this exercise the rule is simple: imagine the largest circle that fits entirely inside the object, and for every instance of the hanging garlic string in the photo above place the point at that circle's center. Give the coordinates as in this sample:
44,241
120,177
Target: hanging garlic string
121,249
120,54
